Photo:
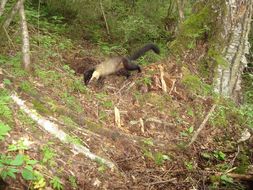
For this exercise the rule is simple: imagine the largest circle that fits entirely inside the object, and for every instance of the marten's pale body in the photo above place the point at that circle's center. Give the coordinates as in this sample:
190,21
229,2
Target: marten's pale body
114,64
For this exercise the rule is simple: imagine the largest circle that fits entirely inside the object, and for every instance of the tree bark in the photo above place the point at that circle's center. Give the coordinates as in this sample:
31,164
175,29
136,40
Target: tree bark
25,39
236,29
12,13
2,6
180,6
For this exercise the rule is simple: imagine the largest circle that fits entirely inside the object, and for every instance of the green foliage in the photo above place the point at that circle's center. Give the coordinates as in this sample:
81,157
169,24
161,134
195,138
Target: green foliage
40,107
244,162
219,155
102,167
4,129
74,140
10,166
195,85
72,102
129,22
160,158
187,132
227,112
27,87
19,145
189,166
56,183
68,121
48,155
72,180
48,77
5,111
25,119
248,86
16,66
226,179
201,25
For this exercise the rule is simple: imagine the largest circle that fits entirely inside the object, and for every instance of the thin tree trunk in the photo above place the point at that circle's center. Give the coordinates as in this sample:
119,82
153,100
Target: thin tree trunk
180,6
12,14
25,39
236,30
2,6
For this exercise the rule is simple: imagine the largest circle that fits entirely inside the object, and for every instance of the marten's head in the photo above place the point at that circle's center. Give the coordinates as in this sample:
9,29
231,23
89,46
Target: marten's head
87,75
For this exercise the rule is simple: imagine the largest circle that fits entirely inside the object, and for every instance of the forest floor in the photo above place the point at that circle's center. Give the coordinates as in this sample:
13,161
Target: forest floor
148,147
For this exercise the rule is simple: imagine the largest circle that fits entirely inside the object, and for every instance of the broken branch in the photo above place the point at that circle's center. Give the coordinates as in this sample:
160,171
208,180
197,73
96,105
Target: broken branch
203,124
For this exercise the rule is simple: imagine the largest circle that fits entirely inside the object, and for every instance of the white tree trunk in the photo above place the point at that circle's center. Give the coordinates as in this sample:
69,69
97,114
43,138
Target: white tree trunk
236,30
12,14
3,2
25,39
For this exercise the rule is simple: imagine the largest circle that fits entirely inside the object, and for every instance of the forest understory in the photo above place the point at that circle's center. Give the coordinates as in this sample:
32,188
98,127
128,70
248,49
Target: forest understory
144,125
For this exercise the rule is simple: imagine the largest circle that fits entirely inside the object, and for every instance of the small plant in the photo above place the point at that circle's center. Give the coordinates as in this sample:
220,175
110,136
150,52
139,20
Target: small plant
79,87
148,142
19,145
10,166
187,132
48,155
226,179
5,111
219,155
189,166
7,82
39,183
68,121
145,80
68,69
195,85
56,183
102,167
160,158
23,118
107,104
74,140
72,102
27,87
4,129
72,180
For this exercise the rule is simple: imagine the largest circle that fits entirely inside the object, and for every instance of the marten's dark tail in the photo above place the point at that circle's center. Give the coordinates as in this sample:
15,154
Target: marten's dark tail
143,50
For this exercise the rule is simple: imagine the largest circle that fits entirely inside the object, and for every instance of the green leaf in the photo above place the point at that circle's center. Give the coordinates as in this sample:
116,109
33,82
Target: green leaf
29,168
11,172
190,130
31,162
148,142
4,129
27,174
226,179
18,161
6,81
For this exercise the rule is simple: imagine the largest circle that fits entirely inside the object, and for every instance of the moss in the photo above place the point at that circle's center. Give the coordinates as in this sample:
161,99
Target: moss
160,101
92,126
202,24
40,107
195,85
68,121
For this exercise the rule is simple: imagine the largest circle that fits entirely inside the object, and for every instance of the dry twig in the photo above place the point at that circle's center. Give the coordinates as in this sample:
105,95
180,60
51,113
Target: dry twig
164,86
103,12
203,124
